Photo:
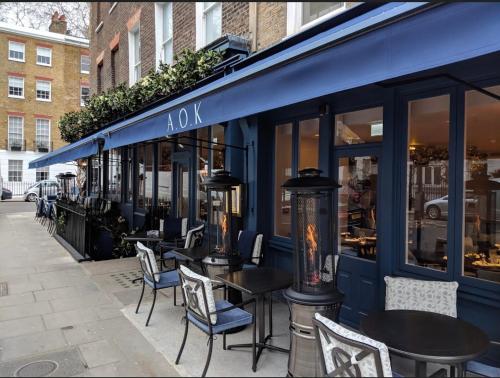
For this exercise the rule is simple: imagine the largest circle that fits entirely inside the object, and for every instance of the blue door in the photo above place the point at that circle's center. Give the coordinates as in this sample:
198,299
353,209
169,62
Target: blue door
357,205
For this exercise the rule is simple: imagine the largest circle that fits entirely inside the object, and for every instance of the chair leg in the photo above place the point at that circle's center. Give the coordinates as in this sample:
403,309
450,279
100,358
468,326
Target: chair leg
224,340
175,295
209,357
270,314
140,299
152,307
254,351
183,342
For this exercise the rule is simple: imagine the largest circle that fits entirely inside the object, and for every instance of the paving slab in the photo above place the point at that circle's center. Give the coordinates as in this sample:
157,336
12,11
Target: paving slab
17,327
33,343
99,353
25,310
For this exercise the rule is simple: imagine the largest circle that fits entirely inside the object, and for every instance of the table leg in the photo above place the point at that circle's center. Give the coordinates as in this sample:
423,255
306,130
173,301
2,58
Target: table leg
420,369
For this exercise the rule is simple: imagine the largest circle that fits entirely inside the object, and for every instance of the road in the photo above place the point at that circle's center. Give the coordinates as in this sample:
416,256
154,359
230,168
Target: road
16,206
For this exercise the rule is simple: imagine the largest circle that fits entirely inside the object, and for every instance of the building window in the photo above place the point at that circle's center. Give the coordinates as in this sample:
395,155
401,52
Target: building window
16,87
16,51
99,78
301,15
481,200
84,95
361,126
164,33
44,56
134,55
42,174
43,90
208,22
427,204
114,175
42,135
282,172
165,179
144,171
16,170
16,133
84,64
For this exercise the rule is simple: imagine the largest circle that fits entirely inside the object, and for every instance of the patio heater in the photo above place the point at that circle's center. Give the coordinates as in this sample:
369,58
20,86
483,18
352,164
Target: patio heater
223,256
314,288
67,183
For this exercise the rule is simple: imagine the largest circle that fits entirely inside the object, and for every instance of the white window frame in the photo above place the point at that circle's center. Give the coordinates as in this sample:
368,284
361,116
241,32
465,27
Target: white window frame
9,126
294,17
82,102
8,87
133,36
50,91
201,35
48,133
42,170
23,48
160,43
8,169
50,56
81,64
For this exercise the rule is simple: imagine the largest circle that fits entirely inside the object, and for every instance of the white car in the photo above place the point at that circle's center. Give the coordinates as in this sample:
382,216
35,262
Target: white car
47,187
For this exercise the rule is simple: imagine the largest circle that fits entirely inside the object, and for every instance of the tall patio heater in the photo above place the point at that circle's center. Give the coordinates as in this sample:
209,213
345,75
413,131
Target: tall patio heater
314,289
223,255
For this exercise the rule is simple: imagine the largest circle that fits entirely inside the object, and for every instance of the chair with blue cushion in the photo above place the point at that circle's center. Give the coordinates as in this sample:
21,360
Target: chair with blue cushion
194,238
482,369
154,278
250,249
210,316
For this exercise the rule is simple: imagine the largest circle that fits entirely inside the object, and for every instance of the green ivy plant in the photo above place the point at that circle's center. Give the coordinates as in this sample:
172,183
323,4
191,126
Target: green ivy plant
100,109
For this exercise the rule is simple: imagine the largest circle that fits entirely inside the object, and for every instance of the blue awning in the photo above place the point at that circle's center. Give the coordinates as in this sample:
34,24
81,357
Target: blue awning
78,150
435,37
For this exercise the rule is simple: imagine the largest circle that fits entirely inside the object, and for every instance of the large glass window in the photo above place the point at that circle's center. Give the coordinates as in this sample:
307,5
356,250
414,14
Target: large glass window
130,174
42,134
15,170
165,179
427,203
361,126
145,176
96,183
481,202
308,143
16,133
114,175
202,168
218,152
282,172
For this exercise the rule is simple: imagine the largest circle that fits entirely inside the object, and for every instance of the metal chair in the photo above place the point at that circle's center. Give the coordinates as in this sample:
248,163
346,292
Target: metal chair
210,316
194,238
154,278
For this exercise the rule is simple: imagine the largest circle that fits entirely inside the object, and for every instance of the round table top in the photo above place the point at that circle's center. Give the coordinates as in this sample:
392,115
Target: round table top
426,336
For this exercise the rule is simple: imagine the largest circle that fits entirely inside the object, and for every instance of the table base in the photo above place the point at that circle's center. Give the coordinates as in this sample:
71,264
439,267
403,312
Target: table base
260,347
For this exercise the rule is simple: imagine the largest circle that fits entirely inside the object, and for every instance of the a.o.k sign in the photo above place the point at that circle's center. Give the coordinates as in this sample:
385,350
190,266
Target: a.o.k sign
184,118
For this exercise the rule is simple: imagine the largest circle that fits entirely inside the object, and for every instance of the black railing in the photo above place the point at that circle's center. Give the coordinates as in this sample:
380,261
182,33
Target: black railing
15,144
18,187
43,146
72,225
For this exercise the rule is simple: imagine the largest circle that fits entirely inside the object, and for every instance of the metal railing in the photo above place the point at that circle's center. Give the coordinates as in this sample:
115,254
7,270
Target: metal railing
17,187
43,146
15,144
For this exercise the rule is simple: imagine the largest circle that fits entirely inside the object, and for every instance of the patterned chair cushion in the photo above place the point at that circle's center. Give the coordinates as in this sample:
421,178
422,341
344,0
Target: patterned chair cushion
194,236
410,294
367,365
145,251
191,286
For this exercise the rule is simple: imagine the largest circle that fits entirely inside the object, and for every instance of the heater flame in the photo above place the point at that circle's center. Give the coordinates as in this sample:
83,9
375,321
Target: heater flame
224,228
312,249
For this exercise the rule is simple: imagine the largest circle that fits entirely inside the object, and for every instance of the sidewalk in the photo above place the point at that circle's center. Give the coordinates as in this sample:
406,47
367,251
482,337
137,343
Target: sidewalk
56,310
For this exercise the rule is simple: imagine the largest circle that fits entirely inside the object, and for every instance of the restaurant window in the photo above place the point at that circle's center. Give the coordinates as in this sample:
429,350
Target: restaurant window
282,172
361,126
481,202
218,152
114,175
43,90
15,133
42,134
308,143
15,170
144,176
42,174
165,179
96,183
202,172
130,174
16,86
44,56
208,22
16,51
427,203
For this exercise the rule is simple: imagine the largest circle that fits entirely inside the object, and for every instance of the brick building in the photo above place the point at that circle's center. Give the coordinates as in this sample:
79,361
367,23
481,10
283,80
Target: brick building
160,30
43,75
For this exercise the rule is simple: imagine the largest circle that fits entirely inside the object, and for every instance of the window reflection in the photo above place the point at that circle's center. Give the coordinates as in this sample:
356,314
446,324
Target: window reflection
202,167
164,179
357,206
481,203
308,143
361,126
427,182
282,172
114,175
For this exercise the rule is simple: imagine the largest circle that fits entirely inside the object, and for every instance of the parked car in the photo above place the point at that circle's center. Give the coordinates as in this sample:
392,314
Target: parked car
48,186
6,194
437,208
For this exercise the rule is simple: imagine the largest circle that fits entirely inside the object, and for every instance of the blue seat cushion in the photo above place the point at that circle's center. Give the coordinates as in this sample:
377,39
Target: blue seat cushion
167,279
397,375
249,266
171,255
225,320
482,369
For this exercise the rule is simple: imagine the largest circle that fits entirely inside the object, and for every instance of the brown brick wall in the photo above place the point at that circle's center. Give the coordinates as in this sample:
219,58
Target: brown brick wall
235,19
270,23
65,90
184,26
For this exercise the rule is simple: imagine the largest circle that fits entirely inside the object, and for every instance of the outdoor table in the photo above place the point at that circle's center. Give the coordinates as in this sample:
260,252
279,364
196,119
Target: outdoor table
257,283
195,255
143,238
426,337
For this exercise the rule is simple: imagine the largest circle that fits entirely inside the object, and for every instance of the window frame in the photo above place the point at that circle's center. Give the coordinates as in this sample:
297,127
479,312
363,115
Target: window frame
36,90
43,170
82,102
23,60
134,36
159,24
81,64
294,17
9,117
9,86
17,171
37,134
50,56
201,34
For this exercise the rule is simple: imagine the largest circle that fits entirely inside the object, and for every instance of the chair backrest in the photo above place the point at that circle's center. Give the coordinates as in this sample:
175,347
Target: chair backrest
172,228
198,295
409,294
328,271
250,246
184,227
345,353
194,237
148,263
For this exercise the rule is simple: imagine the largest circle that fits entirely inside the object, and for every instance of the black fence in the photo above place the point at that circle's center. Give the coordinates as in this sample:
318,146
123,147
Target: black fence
430,191
18,187
72,225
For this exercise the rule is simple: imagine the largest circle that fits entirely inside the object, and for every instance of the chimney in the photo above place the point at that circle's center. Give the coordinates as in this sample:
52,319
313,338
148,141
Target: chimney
58,23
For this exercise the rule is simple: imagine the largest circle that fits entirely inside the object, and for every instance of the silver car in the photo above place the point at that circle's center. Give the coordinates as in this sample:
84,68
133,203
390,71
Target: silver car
47,186
438,207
